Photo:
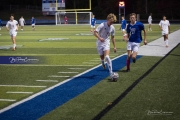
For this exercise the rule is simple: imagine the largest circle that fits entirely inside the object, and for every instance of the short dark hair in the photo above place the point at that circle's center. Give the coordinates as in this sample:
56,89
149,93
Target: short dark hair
133,14
12,15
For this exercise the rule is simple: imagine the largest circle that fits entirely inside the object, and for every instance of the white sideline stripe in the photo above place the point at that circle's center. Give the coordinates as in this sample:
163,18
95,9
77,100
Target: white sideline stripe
44,65
21,86
76,68
49,54
58,76
7,100
19,92
68,72
50,88
47,80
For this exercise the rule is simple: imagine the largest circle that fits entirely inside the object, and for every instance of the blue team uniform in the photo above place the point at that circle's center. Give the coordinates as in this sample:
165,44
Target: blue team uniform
135,32
33,20
0,22
123,24
93,21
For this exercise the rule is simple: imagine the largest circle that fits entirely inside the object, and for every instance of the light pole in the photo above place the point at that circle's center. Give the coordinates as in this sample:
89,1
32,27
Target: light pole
121,6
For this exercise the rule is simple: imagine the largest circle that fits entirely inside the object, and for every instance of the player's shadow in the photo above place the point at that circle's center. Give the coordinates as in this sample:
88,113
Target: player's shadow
174,55
124,71
156,45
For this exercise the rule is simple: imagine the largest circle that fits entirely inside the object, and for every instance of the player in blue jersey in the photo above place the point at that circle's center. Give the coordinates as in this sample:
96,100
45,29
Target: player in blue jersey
93,22
134,29
33,22
0,24
123,27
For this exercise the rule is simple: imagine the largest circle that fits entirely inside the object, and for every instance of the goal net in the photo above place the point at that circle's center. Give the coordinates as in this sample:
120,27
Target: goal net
73,18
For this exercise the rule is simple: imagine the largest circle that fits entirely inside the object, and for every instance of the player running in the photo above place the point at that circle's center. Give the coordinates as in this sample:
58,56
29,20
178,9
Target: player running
0,24
65,19
93,22
102,32
134,29
22,22
150,22
165,28
33,22
12,26
123,28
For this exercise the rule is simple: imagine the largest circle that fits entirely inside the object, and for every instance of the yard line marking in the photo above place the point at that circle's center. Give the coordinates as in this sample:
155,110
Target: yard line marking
95,60
52,87
68,72
44,65
90,63
58,76
76,68
22,86
47,80
7,100
19,92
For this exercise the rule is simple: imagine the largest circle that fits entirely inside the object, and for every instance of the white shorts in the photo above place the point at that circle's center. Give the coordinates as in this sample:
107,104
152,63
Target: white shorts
165,32
92,26
150,22
102,48
13,34
133,46
33,24
21,24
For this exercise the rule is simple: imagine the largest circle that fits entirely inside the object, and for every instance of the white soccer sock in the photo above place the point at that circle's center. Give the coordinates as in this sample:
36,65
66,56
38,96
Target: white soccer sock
167,42
14,45
109,64
102,61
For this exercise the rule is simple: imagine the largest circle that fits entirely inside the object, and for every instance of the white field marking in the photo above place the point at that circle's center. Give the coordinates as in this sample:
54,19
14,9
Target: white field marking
47,80
90,63
58,76
22,86
43,65
50,88
96,60
76,68
68,72
19,92
7,100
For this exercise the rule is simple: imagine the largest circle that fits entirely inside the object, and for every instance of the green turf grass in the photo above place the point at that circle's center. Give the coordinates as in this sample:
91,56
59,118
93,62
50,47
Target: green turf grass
74,51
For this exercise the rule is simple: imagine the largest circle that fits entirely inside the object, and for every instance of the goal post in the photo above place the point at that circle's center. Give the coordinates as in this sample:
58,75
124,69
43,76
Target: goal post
73,17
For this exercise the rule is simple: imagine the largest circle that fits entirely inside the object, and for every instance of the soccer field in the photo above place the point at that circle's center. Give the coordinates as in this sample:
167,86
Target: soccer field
69,50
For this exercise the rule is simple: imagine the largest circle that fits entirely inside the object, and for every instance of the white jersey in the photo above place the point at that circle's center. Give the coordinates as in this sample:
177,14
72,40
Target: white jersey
12,25
105,31
149,19
21,21
164,25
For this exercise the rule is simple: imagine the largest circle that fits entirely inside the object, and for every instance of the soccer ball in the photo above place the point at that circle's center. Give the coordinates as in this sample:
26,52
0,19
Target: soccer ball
114,77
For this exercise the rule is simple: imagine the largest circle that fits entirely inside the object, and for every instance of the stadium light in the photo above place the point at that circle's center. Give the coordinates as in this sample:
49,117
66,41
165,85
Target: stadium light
121,4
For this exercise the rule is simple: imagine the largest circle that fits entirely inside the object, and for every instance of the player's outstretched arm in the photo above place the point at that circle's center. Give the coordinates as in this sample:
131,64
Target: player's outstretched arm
114,43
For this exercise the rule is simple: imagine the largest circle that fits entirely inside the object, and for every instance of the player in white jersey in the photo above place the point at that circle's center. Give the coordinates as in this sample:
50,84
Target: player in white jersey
165,28
12,26
150,22
22,22
102,32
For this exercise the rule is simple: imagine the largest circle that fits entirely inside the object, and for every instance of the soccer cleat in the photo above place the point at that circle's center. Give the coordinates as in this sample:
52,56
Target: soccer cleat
134,60
127,70
13,49
104,66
